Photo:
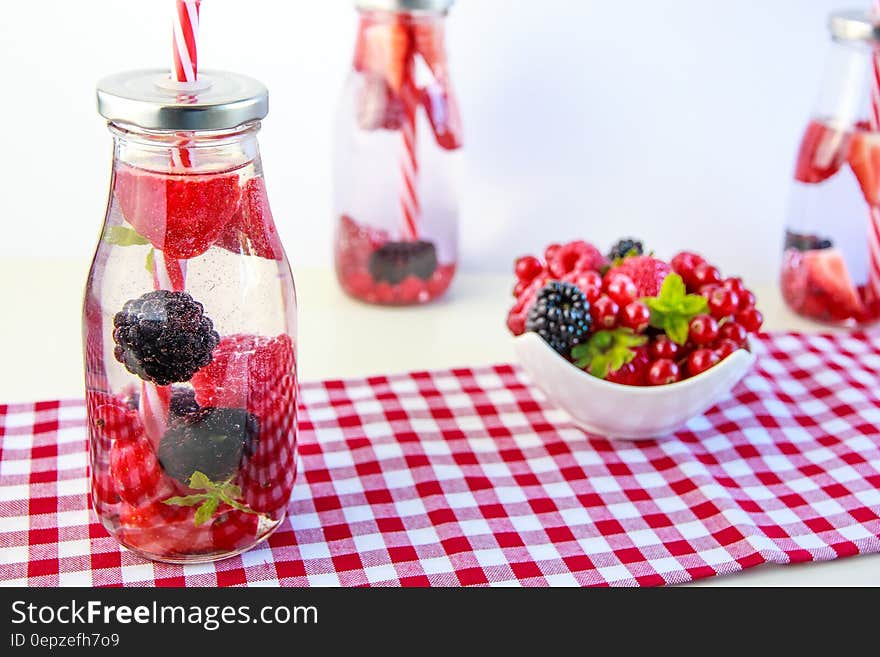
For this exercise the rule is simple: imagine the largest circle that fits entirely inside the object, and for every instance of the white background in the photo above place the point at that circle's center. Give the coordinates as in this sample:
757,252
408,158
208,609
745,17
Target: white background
674,120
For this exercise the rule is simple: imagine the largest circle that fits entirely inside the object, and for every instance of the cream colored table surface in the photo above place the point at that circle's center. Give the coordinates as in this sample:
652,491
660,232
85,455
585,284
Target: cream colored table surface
41,356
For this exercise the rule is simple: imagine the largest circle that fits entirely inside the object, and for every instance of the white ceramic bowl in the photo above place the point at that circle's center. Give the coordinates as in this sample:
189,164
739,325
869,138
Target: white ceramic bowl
627,412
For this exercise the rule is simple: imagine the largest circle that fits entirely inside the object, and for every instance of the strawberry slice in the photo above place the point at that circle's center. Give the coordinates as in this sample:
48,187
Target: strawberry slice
864,159
646,272
428,41
182,215
135,471
252,229
829,280
444,116
823,151
384,48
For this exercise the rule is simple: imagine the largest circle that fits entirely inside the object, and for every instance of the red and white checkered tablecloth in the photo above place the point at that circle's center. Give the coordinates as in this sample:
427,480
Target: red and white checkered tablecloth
469,476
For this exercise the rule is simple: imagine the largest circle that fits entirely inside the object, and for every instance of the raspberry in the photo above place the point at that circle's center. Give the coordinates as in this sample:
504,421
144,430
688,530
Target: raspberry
646,272
577,256
244,369
527,268
634,373
516,318
135,470
412,290
180,215
233,530
111,419
164,337
252,229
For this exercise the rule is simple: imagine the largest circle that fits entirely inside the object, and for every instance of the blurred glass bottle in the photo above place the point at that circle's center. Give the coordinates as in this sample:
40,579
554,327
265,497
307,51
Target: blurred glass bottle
397,128
831,262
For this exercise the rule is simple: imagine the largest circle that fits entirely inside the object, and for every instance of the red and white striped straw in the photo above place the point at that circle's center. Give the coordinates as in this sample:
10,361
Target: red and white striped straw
874,221
409,172
186,37
170,273
185,67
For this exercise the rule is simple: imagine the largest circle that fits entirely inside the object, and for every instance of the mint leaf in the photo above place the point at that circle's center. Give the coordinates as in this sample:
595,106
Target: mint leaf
695,304
673,309
677,328
124,236
209,501
607,351
204,512
150,264
200,481
188,500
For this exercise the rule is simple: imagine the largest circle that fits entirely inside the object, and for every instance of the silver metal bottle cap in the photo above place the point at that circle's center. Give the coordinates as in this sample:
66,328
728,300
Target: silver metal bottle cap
432,6
219,100
853,25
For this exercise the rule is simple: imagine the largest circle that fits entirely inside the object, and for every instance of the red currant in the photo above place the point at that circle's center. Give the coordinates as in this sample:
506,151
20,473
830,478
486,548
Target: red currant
520,287
747,300
734,332
663,347
751,319
591,292
550,251
527,267
735,284
588,279
684,264
663,372
636,316
705,274
604,312
723,302
725,347
703,329
622,289
701,360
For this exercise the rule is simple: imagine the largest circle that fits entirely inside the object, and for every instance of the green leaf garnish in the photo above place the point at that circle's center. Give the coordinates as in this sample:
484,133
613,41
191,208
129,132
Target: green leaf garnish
607,351
124,236
215,493
150,264
204,512
673,309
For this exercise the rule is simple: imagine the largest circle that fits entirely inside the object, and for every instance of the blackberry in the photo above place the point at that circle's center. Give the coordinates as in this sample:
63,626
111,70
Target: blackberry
211,441
804,242
393,262
183,401
628,246
164,337
560,315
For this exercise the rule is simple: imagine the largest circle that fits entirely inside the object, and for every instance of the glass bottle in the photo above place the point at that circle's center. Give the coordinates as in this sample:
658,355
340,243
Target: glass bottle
831,260
189,325
397,131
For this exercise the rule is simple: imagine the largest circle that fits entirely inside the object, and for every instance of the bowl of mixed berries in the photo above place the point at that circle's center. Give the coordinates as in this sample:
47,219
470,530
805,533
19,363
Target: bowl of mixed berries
629,345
